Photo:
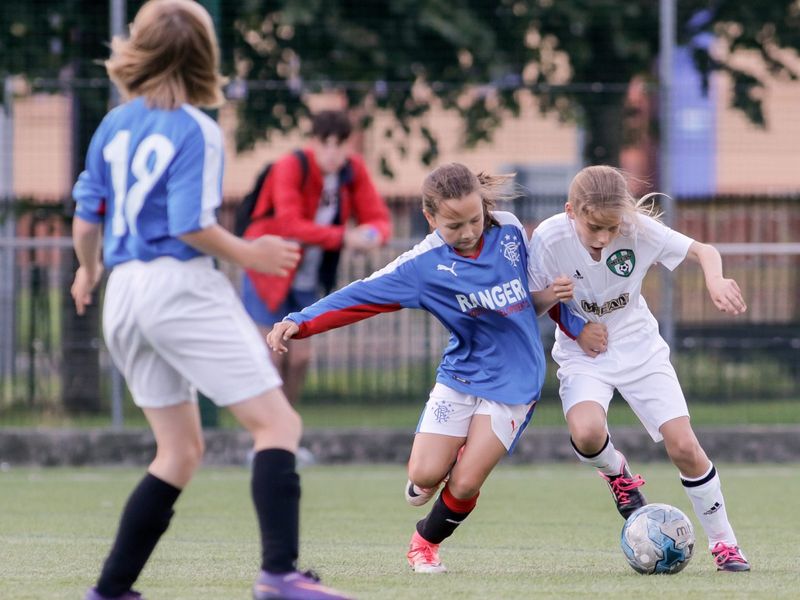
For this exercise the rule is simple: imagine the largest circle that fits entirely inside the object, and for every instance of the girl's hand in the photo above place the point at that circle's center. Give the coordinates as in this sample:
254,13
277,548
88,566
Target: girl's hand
593,340
363,237
273,255
560,290
563,288
281,333
726,295
83,285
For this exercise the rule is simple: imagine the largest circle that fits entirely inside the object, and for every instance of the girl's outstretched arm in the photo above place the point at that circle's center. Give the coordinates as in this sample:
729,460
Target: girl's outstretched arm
725,293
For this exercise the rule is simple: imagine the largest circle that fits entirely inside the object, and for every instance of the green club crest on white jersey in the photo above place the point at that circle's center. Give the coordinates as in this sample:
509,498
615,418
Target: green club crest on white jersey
622,262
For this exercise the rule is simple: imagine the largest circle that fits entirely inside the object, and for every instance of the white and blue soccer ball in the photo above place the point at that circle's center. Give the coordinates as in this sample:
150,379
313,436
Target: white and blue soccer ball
658,538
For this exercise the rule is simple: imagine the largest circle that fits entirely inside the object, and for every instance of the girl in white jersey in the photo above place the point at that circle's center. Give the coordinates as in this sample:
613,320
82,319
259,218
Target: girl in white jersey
606,241
471,273
171,321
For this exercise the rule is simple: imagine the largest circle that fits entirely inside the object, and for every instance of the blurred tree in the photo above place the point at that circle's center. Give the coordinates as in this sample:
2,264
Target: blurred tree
471,55
578,57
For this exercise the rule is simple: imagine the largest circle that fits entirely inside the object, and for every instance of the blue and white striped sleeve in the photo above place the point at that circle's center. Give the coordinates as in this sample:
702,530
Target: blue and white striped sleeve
194,185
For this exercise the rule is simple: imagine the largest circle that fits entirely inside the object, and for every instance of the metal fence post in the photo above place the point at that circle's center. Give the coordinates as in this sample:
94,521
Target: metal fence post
7,231
665,65
117,19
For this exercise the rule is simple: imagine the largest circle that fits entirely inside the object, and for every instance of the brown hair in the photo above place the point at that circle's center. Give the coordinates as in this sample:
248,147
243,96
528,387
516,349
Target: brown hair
454,180
327,123
604,189
170,58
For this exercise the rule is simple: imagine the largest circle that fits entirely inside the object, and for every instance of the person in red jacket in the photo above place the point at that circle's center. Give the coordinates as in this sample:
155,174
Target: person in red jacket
310,196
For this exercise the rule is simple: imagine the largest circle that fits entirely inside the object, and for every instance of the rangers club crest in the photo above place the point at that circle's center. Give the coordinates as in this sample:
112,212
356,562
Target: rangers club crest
511,249
442,411
622,262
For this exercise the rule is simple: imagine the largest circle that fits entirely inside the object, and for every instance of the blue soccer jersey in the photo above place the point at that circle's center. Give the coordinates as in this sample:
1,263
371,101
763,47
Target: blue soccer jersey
495,351
151,175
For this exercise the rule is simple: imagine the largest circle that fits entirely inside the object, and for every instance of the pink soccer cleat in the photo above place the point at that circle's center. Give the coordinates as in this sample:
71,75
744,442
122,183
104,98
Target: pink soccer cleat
424,556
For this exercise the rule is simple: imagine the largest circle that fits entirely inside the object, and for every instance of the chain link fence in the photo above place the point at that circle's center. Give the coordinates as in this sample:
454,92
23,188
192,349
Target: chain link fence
392,358
738,189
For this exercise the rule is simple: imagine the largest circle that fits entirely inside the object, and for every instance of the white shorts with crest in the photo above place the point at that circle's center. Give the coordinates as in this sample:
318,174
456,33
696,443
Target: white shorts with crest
175,327
449,412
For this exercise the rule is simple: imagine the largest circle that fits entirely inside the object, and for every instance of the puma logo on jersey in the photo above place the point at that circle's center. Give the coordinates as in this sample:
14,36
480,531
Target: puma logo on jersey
606,307
450,269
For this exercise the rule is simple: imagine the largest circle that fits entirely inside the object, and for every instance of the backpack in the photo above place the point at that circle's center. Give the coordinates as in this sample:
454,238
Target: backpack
245,211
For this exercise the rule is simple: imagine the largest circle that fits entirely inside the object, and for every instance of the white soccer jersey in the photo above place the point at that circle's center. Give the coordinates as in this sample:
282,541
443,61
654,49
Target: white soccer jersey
609,290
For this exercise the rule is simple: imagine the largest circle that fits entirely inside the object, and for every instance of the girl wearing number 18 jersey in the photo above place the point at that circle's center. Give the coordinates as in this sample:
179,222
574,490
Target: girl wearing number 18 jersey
173,323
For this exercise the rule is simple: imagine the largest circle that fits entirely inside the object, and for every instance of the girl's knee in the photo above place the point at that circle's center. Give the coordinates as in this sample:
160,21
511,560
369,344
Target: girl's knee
465,487
178,462
192,454
425,475
588,437
282,428
289,420
686,451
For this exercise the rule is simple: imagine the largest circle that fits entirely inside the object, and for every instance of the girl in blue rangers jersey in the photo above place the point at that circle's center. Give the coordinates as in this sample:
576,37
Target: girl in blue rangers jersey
172,322
471,273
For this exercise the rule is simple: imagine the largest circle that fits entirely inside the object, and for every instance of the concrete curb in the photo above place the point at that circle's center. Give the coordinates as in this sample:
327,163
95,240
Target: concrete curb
91,447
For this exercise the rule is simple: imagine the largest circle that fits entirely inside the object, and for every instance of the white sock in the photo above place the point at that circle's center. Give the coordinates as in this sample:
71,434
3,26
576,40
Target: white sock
705,492
608,461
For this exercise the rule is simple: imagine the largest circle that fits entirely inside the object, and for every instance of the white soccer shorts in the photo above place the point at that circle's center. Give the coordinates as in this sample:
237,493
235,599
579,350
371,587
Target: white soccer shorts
642,373
449,412
174,327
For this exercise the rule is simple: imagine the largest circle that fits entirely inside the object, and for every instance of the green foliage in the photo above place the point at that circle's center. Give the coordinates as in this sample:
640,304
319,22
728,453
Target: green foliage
43,37
380,49
471,54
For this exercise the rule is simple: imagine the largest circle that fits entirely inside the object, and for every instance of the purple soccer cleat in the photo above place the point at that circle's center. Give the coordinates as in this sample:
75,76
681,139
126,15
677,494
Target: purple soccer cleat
294,585
93,594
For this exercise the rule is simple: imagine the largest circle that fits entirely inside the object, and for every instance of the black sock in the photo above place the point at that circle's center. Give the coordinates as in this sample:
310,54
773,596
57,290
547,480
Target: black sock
144,520
447,513
276,495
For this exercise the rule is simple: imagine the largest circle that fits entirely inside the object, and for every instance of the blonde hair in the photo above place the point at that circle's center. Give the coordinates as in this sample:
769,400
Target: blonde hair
454,180
603,189
170,58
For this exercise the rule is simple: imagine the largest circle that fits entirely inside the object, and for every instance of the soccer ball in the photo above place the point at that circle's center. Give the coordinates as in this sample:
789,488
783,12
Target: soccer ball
658,538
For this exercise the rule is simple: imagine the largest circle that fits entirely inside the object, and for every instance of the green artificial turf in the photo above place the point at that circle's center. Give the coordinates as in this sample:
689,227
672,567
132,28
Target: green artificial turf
538,532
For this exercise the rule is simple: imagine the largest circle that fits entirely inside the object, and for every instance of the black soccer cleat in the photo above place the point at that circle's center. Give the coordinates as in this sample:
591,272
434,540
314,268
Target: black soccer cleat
625,489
